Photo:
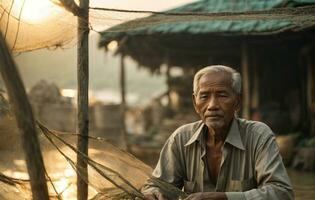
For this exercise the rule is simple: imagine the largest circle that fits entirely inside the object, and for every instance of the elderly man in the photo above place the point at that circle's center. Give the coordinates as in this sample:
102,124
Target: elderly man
221,156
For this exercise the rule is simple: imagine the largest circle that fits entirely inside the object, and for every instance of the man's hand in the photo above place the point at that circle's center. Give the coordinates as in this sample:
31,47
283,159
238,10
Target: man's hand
154,196
207,196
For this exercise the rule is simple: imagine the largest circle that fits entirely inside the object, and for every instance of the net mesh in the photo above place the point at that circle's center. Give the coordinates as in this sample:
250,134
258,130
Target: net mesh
26,27
34,24
112,172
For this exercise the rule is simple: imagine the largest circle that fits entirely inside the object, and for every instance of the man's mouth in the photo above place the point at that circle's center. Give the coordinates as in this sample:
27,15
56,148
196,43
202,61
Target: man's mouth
213,116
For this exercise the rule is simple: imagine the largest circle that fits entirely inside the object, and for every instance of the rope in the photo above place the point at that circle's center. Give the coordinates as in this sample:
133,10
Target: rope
8,20
18,28
275,11
92,163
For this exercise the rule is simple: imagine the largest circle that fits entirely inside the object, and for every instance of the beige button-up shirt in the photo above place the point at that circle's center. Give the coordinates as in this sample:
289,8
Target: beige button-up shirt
251,166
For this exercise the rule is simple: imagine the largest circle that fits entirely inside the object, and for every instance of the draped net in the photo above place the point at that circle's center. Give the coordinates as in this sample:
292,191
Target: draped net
34,24
112,172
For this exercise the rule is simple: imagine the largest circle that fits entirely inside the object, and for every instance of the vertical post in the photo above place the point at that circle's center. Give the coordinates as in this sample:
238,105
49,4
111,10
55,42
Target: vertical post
255,88
83,104
310,91
123,103
245,74
168,81
25,121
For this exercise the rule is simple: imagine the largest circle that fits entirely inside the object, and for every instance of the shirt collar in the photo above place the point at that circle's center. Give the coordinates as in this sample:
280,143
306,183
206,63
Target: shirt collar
197,134
233,137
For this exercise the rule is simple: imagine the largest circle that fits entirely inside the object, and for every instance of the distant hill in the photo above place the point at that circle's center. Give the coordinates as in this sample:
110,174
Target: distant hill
59,66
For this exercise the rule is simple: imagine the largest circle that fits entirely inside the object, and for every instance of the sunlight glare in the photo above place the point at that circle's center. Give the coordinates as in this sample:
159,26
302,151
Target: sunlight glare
69,172
35,11
61,185
112,45
68,93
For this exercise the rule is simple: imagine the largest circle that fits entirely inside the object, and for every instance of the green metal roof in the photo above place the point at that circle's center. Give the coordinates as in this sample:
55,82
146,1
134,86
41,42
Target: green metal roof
215,6
260,23
208,31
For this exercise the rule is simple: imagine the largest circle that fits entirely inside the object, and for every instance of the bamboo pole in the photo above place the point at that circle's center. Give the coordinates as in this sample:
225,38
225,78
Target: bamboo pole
246,89
83,101
25,122
123,103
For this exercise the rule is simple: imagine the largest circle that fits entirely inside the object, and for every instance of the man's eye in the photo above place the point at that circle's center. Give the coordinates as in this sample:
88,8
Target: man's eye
223,95
203,97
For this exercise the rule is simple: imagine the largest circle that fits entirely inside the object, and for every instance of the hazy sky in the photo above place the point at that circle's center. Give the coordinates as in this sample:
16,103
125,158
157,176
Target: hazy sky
59,66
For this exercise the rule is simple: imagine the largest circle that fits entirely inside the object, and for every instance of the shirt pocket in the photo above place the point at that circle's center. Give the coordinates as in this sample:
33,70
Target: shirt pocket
241,185
189,186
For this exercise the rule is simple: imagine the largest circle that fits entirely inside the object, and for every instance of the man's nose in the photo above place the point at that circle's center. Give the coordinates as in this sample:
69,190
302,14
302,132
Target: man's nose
213,103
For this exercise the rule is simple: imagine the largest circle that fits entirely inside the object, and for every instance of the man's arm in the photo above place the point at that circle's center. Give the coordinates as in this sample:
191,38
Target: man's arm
272,179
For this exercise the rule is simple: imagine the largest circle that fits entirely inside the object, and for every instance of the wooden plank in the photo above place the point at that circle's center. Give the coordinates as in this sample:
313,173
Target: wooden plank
83,98
246,89
25,121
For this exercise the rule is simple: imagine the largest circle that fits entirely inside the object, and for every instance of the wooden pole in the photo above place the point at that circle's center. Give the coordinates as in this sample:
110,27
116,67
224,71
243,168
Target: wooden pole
25,122
123,103
246,89
168,79
310,91
83,101
168,82
255,88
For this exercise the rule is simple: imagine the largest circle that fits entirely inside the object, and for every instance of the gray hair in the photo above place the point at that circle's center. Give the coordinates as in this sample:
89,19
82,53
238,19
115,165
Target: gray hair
235,76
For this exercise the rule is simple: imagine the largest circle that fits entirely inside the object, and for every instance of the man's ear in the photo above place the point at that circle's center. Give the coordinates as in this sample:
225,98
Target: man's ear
194,102
238,103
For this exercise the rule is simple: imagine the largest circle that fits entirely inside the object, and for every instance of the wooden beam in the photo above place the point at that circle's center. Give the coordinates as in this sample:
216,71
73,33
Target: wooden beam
83,98
123,103
246,89
25,121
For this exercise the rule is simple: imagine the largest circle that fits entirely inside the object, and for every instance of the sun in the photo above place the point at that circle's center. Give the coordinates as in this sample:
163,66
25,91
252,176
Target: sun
35,11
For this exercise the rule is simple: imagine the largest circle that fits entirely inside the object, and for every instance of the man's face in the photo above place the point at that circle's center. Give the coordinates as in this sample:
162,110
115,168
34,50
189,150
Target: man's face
215,101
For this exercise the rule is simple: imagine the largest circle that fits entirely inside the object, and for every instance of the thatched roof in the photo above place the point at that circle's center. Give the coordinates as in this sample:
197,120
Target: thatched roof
207,28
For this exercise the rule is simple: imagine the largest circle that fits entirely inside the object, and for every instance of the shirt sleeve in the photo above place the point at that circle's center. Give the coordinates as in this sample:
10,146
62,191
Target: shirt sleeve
271,176
168,168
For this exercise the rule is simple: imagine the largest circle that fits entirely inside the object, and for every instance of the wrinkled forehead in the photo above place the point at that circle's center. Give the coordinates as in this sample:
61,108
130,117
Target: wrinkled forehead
218,79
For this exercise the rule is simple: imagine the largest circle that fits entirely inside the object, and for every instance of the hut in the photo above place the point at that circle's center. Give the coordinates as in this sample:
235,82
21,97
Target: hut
270,42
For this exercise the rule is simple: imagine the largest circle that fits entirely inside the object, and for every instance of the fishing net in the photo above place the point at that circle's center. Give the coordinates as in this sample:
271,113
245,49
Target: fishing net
112,172
26,26
34,24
